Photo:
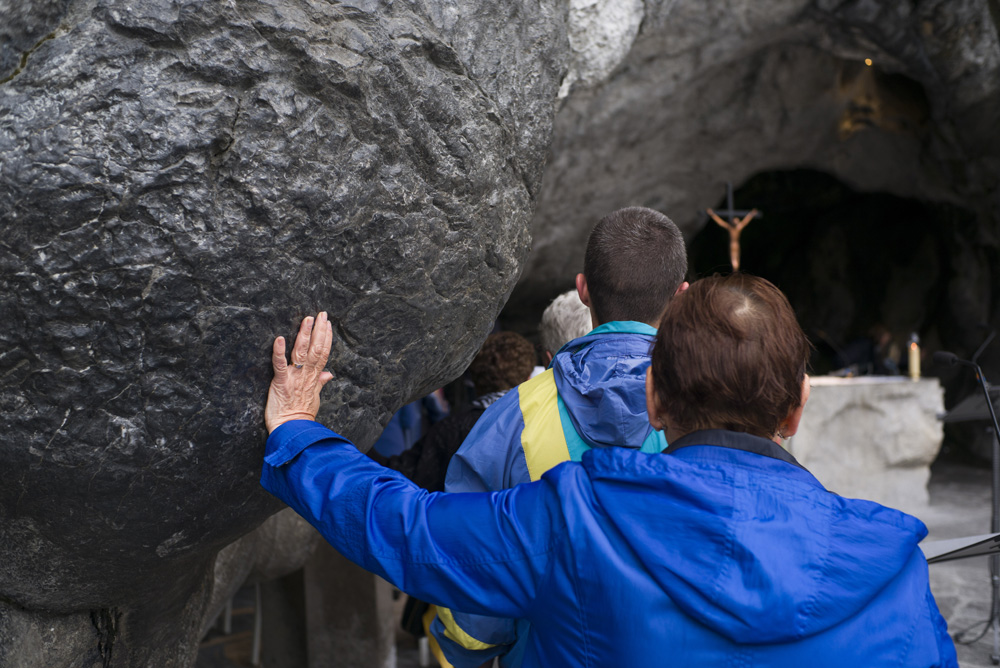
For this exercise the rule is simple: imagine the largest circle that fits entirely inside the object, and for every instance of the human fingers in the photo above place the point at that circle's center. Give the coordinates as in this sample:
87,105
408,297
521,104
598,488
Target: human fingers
300,350
278,356
321,341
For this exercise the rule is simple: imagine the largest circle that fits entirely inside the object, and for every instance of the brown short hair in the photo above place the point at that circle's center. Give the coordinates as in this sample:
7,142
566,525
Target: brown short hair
505,360
729,354
635,262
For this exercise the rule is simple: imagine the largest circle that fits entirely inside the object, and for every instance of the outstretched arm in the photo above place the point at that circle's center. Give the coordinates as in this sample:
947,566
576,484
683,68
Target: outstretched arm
719,221
741,223
478,552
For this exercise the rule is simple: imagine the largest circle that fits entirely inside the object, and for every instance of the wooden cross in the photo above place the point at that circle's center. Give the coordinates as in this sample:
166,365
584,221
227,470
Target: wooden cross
733,224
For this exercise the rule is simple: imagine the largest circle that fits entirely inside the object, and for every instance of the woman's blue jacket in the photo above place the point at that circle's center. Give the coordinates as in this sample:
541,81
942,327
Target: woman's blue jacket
720,552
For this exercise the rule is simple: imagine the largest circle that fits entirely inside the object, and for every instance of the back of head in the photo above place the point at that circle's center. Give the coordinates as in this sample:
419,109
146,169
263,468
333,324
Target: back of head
505,360
565,319
634,264
729,355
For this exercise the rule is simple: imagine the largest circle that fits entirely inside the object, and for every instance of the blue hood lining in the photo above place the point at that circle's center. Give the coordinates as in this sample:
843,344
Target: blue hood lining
601,378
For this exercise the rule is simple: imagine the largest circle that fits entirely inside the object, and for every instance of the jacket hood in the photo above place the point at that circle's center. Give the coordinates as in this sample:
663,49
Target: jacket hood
750,546
601,378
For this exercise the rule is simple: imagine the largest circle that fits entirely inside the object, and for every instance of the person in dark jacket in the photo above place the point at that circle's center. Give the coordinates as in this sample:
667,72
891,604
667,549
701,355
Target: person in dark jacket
721,551
505,360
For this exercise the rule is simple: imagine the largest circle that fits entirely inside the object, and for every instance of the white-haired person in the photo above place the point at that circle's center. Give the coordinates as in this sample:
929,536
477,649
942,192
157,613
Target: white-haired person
565,319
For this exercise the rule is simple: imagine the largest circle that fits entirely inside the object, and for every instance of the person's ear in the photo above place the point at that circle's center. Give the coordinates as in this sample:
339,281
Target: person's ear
548,358
584,293
581,289
653,403
682,287
790,424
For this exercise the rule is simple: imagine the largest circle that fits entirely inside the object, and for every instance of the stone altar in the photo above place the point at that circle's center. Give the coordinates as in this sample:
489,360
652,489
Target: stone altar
872,437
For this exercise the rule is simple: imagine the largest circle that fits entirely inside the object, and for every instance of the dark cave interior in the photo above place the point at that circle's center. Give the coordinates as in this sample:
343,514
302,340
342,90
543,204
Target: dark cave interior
853,264
848,261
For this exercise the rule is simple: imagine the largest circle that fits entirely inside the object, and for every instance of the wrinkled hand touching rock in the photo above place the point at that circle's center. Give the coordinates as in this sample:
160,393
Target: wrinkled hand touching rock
295,388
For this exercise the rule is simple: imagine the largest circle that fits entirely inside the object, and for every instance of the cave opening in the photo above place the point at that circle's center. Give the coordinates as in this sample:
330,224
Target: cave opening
855,265
858,265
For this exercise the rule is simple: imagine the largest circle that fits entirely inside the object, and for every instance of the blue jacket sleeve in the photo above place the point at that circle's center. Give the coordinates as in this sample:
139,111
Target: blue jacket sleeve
946,648
485,553
491,458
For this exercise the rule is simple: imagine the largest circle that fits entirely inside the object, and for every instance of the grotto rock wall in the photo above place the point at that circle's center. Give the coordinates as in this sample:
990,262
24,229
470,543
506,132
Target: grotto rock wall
719,92
181,182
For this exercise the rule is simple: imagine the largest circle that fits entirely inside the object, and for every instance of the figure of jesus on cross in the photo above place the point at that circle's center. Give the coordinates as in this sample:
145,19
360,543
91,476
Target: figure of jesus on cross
734,225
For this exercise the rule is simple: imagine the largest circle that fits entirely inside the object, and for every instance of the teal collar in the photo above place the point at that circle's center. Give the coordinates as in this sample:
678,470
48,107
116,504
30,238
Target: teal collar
654,443
613,327
624,327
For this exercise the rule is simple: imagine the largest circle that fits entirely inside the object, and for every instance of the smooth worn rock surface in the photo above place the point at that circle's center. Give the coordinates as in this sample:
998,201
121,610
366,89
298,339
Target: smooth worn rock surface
601,33
179,183
872,437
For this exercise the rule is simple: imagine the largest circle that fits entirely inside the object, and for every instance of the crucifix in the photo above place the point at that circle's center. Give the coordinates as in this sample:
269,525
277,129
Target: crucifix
733,224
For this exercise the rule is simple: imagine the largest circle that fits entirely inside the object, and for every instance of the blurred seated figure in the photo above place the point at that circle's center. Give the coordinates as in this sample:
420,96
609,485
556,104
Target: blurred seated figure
409,423
873,354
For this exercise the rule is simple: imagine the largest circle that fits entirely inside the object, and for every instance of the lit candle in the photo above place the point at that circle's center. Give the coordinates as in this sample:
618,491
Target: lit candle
914,358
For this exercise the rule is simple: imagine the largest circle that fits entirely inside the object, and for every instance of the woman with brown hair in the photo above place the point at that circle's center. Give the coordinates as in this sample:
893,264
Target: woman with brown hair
730,357
723,551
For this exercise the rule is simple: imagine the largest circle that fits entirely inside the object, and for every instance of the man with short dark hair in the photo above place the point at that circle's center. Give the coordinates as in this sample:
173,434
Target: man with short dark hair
592,396
635,262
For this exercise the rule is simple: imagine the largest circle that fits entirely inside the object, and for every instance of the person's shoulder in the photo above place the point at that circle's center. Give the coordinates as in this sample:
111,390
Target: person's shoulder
501,417
510,401
491,458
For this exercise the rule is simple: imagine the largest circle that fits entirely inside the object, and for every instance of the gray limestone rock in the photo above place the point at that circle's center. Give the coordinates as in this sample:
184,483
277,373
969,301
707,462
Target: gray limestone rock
716,92
181,182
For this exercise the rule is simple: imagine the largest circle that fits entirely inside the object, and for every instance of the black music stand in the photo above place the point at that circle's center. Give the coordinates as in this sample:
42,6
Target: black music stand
974,407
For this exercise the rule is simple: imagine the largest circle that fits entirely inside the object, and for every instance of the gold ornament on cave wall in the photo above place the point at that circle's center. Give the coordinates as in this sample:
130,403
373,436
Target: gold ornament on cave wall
876,99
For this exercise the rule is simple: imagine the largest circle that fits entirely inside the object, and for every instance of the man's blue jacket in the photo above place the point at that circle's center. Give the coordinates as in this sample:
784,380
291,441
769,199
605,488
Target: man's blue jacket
592,396
722,552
